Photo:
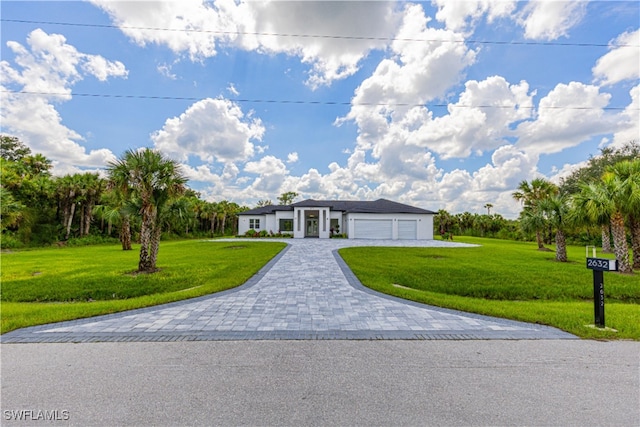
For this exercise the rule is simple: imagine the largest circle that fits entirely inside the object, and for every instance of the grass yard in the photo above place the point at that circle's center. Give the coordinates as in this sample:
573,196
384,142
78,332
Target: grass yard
56,284
505,279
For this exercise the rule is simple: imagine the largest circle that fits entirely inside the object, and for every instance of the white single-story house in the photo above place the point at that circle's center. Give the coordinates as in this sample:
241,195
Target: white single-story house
379,219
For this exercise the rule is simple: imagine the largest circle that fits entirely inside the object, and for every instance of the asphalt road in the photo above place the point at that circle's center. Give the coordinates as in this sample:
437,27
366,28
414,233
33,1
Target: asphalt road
324,383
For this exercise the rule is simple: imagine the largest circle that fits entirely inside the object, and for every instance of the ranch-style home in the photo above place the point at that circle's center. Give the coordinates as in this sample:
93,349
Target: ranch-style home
379,219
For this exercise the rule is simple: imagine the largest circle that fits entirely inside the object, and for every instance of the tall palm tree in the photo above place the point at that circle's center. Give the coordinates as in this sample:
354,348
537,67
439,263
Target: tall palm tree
604,198
629,173
465,221
90,187
222,212
152,179
209,212
598,215
180,214
531,195
37,164
117,210
68,194
444,221
557,211
482,223
233,209
532,221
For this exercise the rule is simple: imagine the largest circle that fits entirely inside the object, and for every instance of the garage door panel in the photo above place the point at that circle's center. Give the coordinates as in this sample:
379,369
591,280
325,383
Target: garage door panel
373,229
407,229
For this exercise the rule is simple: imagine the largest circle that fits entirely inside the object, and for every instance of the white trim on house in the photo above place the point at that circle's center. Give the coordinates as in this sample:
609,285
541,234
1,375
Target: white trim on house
358,220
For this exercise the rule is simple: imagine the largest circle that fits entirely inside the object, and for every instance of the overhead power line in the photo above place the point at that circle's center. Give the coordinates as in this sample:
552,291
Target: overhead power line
307,102
319,36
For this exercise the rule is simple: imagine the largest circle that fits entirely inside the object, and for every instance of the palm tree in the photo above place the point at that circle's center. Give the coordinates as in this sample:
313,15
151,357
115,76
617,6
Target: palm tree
68,193
557,211
604,198
152,179
530,195
600,217
465,221
90,187
532,221
222,212
444,221
209,212
629,173
180,214
233,209
116,210
482,223
488,207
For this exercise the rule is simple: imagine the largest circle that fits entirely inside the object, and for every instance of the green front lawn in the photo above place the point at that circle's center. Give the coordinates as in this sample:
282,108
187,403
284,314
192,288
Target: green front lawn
56,284
505,279
499,278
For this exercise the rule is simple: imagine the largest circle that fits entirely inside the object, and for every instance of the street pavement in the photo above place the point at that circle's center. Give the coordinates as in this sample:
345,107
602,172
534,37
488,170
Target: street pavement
323,383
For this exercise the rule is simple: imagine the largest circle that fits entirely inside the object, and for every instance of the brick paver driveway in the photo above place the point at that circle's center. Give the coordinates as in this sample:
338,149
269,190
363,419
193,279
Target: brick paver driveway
306,292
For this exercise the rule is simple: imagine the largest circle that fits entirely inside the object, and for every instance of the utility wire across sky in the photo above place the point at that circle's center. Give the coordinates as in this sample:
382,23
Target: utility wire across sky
321,36
308,102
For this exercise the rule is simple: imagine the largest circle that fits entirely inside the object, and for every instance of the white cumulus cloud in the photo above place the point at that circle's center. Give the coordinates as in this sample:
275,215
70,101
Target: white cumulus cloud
211,129
292,157
567,116
622,62
296,28
628,126
458,15
271,171
49,67
551,19
479,121
417,73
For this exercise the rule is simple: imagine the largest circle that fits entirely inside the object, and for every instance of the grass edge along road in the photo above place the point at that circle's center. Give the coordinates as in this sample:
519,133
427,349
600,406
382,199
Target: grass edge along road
56,284
504,279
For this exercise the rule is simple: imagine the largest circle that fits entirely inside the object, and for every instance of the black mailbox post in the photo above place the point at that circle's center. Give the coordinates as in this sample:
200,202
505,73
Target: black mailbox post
599,266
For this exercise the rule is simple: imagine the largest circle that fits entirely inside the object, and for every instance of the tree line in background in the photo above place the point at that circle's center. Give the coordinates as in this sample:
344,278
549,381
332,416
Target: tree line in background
145,197
594,205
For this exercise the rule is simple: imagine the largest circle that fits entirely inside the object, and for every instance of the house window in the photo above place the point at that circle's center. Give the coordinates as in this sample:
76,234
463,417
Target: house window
286,225
254,224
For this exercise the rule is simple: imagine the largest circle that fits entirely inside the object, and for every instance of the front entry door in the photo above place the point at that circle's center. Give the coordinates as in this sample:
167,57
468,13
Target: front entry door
312,227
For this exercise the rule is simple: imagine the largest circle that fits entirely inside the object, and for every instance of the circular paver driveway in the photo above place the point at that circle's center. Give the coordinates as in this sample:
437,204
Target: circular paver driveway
306,292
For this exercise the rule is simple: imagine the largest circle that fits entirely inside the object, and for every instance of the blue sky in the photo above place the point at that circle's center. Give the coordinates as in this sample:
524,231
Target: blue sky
442,104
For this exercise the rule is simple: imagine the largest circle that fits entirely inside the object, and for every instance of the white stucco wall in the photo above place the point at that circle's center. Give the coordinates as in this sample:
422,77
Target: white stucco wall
243,223
299,222
271,222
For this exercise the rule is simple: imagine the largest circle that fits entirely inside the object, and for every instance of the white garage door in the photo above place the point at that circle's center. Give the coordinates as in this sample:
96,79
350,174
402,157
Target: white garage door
407,229
373,229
